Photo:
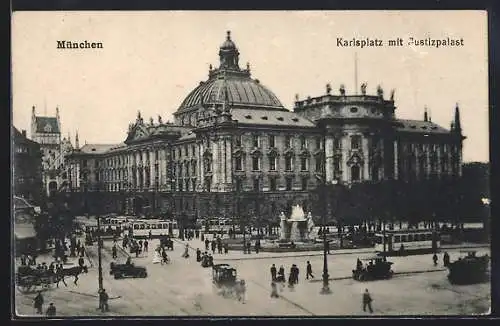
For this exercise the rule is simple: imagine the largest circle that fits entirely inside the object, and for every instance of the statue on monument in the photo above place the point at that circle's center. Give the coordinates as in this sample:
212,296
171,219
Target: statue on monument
342,89
363,89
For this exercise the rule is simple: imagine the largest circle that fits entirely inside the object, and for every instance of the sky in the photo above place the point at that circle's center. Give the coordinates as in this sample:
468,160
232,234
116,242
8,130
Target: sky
150,61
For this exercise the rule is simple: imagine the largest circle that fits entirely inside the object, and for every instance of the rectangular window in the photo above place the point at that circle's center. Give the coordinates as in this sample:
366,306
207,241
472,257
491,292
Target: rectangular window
256,141
272,163
303,164
193,150
303,142
397,238
238,140
238,164
304,183
255,164
355,142
156,155
289,182
337,143
272,140
288,163
272,184
256,185
336,164
180,185
318,164
238,185
318,142
193,182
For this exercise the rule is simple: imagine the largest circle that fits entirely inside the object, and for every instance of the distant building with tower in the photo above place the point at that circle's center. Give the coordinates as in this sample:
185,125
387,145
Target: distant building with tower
46,131
233,149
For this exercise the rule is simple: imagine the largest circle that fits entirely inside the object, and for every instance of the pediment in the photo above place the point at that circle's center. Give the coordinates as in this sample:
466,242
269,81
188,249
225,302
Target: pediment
288,152
238,153
137,132
273,152
304,153
355,159
256,152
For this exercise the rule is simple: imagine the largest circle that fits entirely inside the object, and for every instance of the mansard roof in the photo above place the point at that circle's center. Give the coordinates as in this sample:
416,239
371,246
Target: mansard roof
270,118
419,126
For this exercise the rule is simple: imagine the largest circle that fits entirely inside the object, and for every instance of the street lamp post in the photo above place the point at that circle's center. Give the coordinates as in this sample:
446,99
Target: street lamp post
99,256
326,286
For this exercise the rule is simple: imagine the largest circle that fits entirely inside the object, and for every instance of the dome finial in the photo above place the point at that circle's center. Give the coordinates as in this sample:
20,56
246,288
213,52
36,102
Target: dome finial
228,35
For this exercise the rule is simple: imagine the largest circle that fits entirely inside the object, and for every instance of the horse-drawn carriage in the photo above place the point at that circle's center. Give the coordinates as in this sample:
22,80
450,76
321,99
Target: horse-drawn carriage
127,270
28,278
377,268
469,269
225,281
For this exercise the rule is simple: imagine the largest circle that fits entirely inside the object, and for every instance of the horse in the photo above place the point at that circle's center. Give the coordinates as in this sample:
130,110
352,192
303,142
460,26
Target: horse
72,271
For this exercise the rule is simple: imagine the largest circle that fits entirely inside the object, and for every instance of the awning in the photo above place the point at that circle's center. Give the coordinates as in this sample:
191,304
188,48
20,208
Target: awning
21,203
24,231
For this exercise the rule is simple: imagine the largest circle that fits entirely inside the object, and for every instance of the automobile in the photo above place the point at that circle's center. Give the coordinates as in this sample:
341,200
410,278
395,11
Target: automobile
127,270
469,269
377,268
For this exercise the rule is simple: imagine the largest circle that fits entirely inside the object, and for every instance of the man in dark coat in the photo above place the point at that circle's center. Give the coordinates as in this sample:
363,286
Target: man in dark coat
51,310
207,244
367,301
273,273
38,302
309,271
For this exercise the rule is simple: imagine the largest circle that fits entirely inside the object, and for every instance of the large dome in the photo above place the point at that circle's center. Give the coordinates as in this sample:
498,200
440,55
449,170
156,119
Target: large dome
242,90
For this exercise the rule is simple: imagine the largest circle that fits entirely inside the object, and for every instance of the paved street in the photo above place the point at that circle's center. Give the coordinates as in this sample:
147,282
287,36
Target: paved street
185,288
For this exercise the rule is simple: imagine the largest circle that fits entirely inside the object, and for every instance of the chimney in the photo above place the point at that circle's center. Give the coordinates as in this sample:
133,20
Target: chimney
23,132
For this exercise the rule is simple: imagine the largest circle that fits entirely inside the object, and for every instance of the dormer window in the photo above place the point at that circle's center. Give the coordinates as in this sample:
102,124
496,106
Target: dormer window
353,110
248,117
264,118
280,118
295,119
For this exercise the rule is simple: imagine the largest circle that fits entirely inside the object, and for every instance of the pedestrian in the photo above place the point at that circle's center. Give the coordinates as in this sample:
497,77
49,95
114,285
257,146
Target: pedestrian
249,247
23,260
309,271
367,301
226,248
295,274
446,259
140,244
273,273
38,303
137,250
281,274
207,243
435,259
202,237
114,252
197,234
198,255
256,246
214,244
150,235
274,290
146,244
51,310
81,262
103,300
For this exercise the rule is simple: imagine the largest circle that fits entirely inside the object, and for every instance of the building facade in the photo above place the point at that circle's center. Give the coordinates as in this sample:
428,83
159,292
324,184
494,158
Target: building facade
27,167
46,131
234,150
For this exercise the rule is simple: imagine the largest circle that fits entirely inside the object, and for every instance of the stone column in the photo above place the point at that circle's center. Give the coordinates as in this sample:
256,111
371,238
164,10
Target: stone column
428,159
215,164
345,157
438,162
229,163
366,158
328,160
200,161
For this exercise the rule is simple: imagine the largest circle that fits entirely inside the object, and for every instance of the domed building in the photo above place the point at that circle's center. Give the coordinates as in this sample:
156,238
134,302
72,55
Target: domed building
234,150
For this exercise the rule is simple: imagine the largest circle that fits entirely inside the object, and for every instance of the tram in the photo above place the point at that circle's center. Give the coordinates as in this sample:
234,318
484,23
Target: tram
407,241
155,228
